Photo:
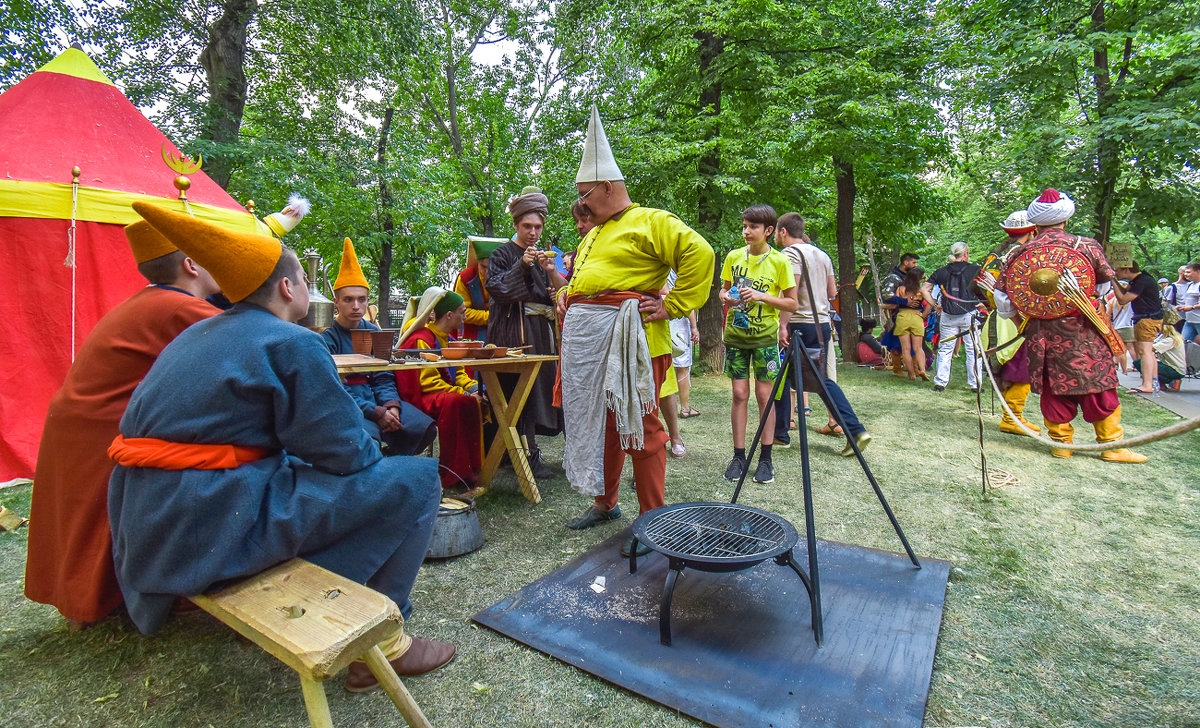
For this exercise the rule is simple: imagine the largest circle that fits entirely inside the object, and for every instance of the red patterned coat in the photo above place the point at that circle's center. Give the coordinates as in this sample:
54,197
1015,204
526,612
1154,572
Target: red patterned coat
1067,354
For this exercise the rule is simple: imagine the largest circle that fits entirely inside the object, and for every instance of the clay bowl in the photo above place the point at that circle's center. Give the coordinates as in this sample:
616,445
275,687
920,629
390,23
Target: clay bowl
463,344
360,339
459,353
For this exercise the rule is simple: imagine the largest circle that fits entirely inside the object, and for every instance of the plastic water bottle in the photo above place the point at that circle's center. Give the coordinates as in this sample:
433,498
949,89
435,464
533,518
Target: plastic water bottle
1155,387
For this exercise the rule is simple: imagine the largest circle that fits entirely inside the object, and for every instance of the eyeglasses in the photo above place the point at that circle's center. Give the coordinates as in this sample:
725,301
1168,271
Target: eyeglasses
585,194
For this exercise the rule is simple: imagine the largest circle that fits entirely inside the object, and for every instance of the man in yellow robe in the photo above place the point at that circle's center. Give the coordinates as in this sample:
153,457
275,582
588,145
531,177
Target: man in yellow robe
621,269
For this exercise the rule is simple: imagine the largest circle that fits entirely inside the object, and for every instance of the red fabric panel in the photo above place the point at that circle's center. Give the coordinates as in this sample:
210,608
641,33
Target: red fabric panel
51,122
35,318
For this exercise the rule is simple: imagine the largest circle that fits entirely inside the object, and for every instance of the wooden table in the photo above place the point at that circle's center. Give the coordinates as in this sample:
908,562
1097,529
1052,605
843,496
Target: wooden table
506,410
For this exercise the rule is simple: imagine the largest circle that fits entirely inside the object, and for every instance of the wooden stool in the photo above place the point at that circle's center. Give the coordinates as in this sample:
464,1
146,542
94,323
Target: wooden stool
317,623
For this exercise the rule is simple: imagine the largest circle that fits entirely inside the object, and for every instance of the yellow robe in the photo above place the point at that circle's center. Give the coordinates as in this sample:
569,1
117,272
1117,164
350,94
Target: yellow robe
474,316
432,379
634,251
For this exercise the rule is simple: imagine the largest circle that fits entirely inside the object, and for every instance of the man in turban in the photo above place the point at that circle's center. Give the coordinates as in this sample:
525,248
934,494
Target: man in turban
240,450
1070,365
1010,364
522,281
401,427
70,547
616,340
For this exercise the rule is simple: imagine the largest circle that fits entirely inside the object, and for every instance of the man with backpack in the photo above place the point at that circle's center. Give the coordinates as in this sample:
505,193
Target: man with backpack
958,307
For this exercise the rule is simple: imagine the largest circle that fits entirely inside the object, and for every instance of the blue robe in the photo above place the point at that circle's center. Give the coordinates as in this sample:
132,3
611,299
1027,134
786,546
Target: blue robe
246,377
373,392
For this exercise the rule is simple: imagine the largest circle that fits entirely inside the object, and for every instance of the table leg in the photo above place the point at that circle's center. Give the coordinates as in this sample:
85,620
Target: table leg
507,412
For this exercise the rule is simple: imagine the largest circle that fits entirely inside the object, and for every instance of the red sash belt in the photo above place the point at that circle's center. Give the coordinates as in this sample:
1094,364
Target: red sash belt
608,297
353,379
150,452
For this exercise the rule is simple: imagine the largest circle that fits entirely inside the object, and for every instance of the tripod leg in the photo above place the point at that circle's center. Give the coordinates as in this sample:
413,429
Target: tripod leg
795,351
820,378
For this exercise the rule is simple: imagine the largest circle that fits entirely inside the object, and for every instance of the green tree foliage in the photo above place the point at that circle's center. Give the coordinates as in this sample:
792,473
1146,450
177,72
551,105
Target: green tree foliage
1100,99
909,125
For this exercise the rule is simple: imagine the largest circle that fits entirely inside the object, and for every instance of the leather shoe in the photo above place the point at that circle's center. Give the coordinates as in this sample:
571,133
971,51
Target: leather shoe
593,516
642,548
540,470
422,657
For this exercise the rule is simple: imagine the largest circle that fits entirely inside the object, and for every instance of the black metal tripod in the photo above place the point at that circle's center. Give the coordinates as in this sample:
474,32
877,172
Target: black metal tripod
798,364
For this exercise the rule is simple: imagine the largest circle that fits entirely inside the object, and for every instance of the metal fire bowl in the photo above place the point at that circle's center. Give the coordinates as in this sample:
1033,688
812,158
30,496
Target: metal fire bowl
715,537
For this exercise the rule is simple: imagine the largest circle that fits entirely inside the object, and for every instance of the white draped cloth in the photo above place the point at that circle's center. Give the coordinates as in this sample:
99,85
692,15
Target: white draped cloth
605,367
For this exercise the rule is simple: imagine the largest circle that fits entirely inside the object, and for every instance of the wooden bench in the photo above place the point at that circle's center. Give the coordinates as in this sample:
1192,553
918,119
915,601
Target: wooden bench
316,623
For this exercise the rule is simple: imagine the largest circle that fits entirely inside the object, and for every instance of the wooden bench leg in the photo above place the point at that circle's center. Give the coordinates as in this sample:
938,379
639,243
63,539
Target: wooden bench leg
315,701
394,688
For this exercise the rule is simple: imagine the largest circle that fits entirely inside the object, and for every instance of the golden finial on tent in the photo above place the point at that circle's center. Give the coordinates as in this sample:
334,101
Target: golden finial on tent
250,206
182,166
75,172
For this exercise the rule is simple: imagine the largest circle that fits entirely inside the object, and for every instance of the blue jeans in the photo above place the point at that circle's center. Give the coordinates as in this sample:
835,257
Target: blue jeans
1190,331
836,400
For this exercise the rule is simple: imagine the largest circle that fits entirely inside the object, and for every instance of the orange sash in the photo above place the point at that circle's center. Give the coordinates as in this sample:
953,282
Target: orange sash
150,452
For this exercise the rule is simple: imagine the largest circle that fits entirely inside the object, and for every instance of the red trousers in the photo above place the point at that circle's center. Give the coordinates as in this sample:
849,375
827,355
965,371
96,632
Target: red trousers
460,434
649,463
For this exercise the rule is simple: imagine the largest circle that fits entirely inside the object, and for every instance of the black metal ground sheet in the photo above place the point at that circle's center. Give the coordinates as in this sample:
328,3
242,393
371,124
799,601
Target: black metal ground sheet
743,652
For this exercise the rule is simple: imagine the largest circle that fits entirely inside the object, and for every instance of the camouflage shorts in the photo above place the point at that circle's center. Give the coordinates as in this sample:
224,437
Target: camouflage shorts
764,359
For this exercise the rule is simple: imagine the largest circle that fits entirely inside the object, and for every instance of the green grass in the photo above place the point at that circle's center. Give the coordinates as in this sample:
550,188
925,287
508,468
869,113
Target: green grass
1073,598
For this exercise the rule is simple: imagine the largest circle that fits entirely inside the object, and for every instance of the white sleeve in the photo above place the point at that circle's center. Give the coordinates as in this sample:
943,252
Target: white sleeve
1004,305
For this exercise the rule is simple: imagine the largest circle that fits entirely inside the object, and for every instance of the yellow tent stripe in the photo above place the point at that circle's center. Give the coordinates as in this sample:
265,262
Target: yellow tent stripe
74,62
52,201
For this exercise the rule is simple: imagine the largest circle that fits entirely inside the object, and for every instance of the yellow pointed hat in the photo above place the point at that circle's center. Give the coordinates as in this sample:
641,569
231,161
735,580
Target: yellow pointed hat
146,242
350,273
240,262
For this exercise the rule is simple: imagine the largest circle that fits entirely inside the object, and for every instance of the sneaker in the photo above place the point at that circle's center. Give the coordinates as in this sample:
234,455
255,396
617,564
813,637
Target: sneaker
765,472
939,388
593,516
781,443
737,466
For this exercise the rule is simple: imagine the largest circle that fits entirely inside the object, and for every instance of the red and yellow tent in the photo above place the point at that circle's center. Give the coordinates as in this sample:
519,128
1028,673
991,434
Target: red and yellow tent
64,261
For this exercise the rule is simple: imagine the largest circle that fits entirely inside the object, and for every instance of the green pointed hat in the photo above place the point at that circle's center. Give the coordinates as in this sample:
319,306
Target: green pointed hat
479,248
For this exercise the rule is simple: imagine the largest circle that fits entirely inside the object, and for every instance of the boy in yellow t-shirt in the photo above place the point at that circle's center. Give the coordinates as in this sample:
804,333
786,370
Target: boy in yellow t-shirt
757,285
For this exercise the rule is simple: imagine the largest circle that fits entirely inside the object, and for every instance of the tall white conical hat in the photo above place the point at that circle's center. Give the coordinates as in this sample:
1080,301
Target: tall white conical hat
598,163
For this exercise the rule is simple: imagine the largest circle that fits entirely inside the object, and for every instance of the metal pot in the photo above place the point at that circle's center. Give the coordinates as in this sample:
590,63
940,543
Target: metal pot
321,311
457,530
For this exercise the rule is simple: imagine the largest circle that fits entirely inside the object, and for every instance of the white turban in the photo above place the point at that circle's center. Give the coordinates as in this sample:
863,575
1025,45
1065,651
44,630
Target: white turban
1051,208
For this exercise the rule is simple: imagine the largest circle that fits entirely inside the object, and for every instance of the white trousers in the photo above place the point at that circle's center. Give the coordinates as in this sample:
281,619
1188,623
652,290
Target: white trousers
949,327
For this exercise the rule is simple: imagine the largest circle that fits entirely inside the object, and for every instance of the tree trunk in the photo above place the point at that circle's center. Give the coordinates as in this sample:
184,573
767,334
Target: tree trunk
224,62
385,223
1108,152
847,266
709,204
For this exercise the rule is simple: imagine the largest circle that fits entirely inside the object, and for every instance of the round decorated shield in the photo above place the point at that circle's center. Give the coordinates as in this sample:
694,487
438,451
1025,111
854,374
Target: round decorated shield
1032,281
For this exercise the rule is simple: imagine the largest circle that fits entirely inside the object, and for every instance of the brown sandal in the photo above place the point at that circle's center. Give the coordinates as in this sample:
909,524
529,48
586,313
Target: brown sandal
835,431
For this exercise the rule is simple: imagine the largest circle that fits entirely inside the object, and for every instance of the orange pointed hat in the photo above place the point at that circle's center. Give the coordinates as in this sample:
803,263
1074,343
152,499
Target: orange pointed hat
350,273
146,242
239,262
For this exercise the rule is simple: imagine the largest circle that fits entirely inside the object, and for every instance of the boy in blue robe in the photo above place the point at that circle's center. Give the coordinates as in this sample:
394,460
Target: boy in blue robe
405,429
241,450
